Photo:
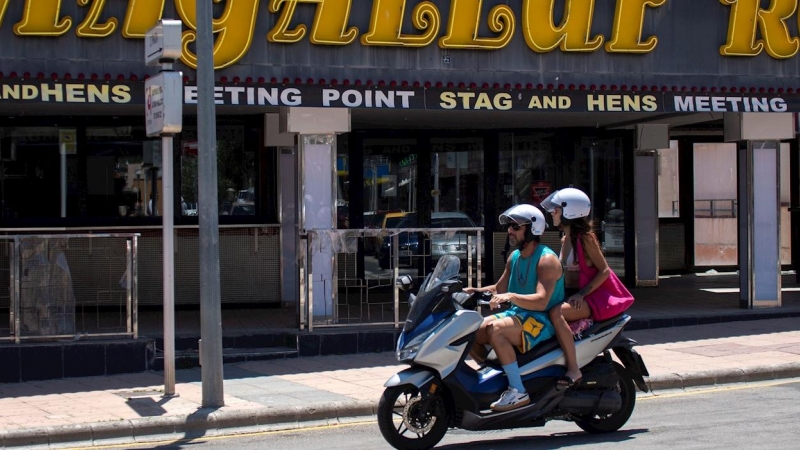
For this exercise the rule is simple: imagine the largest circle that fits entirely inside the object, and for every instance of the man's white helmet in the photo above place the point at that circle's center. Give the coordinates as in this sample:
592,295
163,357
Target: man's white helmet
573,203
524,214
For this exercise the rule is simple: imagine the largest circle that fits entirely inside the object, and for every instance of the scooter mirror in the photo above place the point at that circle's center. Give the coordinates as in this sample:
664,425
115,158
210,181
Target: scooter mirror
404,282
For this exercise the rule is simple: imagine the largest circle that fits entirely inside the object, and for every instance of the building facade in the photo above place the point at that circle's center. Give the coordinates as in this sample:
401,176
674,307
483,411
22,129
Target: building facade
457,106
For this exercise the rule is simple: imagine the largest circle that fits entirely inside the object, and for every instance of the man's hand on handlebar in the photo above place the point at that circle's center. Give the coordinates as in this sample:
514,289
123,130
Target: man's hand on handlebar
494,301
498,300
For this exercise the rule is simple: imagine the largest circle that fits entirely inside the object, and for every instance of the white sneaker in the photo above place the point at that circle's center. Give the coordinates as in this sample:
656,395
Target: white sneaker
511,399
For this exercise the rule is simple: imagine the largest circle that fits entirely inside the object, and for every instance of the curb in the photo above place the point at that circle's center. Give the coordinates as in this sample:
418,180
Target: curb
210,422
204,422
724,376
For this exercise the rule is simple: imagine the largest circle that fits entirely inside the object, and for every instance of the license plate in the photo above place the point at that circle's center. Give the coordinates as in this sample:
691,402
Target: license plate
405,252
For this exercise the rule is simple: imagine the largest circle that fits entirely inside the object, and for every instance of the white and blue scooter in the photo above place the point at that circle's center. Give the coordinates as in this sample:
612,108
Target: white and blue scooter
442,390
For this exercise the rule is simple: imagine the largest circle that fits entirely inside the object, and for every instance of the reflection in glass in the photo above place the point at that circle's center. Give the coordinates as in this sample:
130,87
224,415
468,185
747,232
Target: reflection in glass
236,172
458,176
106,177
390,172
526,165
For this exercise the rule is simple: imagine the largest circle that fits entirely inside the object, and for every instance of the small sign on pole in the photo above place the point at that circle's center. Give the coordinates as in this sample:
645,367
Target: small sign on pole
163,102
162,44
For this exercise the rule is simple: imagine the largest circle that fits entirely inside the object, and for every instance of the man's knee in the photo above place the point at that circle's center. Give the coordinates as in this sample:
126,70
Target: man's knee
482,335
494,336
497,332
555,313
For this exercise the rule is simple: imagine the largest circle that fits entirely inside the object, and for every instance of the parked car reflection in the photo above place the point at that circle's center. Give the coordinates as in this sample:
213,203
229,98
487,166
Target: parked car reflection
241,209
441,243
380,219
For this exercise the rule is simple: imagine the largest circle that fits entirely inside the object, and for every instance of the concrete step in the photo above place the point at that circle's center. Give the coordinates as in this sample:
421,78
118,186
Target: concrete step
185,359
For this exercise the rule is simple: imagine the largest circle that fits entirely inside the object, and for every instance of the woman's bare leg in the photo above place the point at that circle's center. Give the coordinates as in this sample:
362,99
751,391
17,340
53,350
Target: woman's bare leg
571,314
565,339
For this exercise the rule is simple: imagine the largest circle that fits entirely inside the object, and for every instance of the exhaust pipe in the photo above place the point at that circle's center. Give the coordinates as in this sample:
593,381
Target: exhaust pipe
591,403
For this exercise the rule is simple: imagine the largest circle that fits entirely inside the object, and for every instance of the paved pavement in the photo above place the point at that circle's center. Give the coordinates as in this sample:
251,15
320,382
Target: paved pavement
287,393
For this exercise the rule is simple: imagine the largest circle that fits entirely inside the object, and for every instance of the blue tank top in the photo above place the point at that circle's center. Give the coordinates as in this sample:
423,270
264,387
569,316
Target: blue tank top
523,277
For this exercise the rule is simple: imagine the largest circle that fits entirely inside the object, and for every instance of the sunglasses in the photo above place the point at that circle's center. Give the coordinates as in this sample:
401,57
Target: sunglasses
514,226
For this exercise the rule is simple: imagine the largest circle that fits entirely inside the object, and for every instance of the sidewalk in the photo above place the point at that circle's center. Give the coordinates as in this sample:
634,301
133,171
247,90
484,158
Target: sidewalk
281,394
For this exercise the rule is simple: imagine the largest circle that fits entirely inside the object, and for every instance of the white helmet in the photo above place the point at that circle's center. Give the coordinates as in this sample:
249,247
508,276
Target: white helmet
524,214
573,203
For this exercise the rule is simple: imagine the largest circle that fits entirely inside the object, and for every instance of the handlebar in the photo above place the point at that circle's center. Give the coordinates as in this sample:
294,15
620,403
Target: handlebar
485,298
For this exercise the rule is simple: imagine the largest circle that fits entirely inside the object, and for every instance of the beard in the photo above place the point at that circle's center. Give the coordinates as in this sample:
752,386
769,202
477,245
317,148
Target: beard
513,241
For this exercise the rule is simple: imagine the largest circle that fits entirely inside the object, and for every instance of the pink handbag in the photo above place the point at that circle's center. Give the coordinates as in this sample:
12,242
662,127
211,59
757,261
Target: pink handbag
610,299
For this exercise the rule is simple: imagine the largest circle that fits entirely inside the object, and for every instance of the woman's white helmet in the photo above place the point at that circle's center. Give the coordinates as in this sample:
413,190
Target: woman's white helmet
573,203
524,214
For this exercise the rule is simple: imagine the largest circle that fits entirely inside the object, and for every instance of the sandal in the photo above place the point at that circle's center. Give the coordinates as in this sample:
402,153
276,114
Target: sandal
566,382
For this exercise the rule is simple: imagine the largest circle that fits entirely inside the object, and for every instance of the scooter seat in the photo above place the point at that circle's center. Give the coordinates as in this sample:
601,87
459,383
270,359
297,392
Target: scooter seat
551,344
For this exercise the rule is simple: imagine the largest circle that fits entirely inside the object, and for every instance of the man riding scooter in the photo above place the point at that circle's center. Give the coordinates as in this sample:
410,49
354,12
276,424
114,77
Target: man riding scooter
532,283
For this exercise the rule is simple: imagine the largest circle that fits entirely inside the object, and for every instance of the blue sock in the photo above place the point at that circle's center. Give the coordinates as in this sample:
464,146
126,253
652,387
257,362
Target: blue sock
514,379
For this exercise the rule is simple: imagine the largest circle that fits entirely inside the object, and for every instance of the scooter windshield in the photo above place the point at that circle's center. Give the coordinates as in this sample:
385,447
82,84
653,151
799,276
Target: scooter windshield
447,269
429,293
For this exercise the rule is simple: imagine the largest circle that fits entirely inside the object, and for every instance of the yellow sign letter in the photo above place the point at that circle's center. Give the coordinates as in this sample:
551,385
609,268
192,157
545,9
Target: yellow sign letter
235,29
3,6
628,24
141,16
573,34
330,23
40,18
777,40
90,27
462,30
386,24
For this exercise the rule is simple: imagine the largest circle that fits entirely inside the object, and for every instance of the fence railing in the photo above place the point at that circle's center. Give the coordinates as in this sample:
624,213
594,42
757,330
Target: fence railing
362,295
712,208
716,208
47,273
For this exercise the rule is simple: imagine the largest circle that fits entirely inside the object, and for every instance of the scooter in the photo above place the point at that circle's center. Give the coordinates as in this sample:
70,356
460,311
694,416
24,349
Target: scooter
443,389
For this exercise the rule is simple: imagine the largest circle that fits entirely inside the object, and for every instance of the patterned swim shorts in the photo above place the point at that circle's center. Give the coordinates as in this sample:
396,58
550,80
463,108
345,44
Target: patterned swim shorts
536,326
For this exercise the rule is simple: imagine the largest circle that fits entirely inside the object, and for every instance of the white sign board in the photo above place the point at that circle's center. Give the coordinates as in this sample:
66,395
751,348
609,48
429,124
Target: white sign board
162,43
163,102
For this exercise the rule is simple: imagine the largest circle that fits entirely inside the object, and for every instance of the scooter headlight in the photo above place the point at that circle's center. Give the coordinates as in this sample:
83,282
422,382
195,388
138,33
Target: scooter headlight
409,351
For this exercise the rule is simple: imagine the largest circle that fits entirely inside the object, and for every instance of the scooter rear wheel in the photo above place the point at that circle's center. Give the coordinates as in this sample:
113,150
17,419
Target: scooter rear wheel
613,422
407,421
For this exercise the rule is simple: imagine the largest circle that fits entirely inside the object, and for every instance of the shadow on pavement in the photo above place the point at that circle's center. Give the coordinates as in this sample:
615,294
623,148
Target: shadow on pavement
553,441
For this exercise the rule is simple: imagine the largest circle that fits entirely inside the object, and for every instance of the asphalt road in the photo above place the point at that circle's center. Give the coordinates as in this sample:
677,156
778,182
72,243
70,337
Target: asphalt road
756,415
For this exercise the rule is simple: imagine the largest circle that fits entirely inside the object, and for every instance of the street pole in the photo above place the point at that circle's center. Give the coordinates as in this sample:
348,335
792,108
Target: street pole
164,118
168,236
208,212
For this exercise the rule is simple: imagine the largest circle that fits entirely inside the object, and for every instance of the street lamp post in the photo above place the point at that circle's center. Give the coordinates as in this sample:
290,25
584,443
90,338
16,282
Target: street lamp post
208,212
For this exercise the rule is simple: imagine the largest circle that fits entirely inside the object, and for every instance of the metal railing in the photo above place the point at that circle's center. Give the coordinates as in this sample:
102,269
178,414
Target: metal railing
715,208
381,270
58,281
712,208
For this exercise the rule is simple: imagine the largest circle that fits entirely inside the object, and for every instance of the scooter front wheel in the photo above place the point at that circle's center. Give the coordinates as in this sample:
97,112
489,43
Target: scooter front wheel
410,422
